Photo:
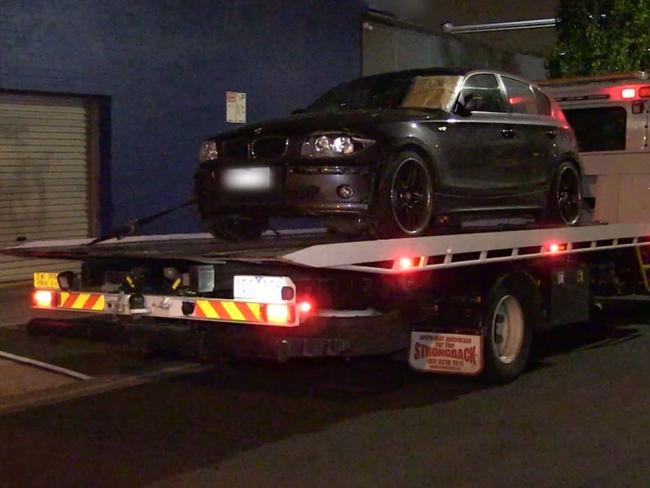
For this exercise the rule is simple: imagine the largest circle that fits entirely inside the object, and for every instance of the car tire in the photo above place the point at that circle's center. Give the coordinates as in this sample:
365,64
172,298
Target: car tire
508,333
237,229
565,196
403,204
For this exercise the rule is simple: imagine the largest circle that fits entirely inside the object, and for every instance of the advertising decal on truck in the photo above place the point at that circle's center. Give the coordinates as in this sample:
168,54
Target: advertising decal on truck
446,353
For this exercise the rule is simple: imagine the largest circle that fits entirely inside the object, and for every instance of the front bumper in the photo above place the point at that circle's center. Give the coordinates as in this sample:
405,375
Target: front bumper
295,191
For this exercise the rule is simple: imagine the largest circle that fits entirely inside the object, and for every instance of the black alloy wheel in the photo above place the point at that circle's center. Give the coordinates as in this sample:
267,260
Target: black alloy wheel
567,194
405,197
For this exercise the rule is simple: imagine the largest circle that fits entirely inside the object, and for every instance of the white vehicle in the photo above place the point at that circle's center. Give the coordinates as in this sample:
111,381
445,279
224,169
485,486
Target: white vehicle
609,115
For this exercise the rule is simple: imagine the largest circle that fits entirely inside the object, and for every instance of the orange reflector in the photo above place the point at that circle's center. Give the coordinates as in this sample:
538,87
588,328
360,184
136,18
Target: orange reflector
43,298
280,314
628,93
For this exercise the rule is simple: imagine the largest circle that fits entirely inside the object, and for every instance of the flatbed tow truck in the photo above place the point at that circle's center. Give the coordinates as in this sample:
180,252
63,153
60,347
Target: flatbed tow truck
466,303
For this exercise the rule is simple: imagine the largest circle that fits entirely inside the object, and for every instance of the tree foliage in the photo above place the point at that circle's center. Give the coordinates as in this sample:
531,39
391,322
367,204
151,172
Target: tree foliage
601,36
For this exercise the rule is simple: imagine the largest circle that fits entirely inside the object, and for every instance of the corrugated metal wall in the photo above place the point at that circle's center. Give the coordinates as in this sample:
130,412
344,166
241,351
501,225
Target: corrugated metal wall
44,174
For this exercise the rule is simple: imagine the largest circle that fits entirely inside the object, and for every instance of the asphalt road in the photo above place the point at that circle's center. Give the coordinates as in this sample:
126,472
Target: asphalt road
578,418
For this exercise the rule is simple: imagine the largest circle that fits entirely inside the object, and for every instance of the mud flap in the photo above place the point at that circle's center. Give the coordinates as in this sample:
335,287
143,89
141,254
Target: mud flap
434,352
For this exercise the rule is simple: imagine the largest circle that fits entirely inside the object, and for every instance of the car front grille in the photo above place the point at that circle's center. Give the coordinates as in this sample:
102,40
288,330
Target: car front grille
264,148
236,149
269,147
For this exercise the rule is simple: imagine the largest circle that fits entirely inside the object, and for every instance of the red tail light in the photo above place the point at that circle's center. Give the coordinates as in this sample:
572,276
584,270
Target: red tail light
628,93
555,247
279,313
406,264
44,298
644,92
305,307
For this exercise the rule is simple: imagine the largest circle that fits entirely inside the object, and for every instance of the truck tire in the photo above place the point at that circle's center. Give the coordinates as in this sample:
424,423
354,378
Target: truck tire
508,333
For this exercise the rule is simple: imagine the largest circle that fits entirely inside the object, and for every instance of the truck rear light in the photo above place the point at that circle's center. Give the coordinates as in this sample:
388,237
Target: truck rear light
627,93
279,313
407,264
44,298
305,307
644,92
554,248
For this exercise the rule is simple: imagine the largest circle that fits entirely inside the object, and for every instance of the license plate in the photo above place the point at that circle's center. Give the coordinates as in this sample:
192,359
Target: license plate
267,289
247,178
46,280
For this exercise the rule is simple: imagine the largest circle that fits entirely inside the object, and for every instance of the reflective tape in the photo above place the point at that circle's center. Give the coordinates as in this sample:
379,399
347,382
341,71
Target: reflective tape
82,301
228,310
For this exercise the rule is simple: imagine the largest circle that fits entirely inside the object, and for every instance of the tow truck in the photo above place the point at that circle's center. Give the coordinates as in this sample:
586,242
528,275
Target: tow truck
610,115
464,303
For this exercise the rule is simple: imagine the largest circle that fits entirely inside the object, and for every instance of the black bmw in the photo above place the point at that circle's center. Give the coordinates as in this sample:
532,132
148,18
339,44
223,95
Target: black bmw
397,154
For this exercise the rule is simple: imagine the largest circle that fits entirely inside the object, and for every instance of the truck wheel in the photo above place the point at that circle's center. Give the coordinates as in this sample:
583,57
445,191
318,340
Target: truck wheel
403,205
565,196
238,228
508,333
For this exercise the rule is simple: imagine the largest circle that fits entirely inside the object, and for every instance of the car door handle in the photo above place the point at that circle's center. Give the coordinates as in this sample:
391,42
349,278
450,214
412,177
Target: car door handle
551,133
507,133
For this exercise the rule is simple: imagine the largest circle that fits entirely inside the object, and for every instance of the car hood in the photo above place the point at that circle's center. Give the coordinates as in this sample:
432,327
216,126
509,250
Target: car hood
364,121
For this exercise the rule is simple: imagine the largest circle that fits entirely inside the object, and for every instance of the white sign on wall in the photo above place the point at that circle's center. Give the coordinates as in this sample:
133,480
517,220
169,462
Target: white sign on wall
235,107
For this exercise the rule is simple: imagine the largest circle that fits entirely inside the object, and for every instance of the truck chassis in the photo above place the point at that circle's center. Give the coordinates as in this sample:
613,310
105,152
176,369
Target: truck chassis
467,303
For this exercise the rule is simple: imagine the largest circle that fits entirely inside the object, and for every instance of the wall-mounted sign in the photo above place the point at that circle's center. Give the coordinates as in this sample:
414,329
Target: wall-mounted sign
235,107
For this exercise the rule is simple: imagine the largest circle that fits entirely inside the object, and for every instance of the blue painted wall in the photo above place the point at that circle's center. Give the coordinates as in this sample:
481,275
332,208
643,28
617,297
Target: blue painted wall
166,65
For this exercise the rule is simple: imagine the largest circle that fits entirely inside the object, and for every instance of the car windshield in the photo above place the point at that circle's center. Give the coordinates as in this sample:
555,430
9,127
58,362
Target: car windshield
389,92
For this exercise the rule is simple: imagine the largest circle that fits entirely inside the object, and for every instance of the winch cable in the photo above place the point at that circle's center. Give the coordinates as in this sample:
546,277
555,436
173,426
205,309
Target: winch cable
132,225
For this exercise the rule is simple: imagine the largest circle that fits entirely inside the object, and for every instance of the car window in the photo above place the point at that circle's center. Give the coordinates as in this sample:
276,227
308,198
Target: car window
599,129
482,93
431,92
378,92
521,98
543,103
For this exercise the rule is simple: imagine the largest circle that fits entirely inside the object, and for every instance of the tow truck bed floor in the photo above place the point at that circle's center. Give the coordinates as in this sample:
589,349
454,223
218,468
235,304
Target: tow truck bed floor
310,248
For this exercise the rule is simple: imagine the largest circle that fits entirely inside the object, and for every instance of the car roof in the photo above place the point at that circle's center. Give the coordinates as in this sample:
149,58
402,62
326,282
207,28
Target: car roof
421,72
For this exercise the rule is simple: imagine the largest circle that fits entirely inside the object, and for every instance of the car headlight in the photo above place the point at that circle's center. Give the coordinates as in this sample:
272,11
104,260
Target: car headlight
333,145
208,152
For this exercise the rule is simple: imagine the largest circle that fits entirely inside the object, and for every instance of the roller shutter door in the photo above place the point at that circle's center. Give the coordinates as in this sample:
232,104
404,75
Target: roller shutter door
44,173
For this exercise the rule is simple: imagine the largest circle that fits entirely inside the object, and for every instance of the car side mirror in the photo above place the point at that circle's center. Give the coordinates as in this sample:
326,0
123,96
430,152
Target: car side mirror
462,110
298,111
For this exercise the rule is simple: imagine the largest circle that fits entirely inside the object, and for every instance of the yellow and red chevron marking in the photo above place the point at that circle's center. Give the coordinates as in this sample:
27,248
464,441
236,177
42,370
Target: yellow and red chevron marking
228,310
82,301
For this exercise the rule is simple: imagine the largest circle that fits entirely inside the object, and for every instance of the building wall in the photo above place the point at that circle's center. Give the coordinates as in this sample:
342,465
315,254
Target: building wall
390,45
164,67
432,14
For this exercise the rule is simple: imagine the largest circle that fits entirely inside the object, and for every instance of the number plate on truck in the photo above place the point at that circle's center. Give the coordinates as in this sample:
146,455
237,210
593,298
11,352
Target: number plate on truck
46,280
265,289
446,353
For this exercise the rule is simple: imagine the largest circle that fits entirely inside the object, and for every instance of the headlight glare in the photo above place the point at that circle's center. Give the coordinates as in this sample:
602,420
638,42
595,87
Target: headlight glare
334,145
209,151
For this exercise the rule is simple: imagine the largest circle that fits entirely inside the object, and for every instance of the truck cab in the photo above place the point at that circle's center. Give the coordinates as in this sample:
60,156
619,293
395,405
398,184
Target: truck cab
610,116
